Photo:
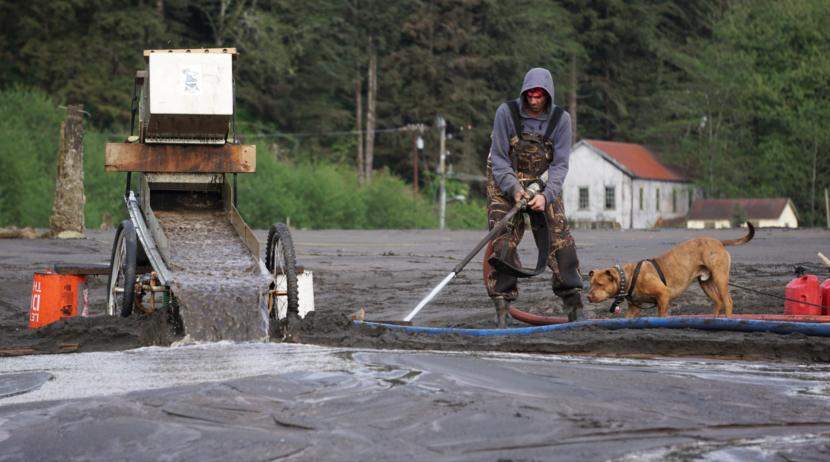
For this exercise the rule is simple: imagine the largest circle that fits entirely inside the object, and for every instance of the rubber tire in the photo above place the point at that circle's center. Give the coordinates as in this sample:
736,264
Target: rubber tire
125,234
280,236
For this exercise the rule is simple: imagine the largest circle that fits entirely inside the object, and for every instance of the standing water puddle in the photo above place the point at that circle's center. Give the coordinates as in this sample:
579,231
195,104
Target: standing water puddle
82,374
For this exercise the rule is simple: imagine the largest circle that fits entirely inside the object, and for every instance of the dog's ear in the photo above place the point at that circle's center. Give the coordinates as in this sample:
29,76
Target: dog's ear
611,275
591,273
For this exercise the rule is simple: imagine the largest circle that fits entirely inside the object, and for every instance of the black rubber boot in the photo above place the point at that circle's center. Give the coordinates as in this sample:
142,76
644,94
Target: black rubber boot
572,302
568,269
569,285
502,310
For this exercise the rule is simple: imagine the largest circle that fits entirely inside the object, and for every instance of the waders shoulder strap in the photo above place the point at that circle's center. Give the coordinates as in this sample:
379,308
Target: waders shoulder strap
517,125
554,121
514,114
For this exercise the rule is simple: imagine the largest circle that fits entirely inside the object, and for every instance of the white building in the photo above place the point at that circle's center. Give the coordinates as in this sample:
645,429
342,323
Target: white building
622,185
778,212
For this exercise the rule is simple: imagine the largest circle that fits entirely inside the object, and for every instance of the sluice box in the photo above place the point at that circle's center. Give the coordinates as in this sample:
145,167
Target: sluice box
188,97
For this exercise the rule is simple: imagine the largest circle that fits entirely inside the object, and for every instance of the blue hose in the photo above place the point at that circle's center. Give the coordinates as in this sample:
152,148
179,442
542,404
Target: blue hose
715,324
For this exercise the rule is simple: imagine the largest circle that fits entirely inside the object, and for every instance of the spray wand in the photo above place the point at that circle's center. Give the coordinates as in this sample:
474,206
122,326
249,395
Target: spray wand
532,190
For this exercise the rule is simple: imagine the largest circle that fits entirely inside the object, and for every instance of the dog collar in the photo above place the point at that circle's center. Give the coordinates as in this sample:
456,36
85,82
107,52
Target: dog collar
621,294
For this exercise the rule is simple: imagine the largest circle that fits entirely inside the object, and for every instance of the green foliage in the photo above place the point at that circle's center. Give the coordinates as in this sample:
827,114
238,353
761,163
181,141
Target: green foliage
321,195
738,217
470,214
390,204
748,119
29,137
104,190
732,93
308,194
83,52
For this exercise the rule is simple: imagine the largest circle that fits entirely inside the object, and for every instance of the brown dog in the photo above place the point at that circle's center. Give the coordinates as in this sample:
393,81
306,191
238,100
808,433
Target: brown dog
704,259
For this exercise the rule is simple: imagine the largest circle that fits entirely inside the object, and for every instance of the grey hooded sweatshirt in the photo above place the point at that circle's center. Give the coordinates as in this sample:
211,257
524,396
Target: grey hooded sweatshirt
504,130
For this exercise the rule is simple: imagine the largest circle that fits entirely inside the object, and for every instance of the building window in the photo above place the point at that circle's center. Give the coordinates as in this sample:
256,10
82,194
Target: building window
610,197
657,207
674,200
583,198
642,192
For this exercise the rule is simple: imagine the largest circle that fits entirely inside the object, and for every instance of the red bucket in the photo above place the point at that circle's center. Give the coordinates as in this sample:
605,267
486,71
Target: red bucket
825,297
56,297
802,290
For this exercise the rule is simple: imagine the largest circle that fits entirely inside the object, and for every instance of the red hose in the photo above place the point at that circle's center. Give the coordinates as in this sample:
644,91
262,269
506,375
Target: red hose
766,317
535,319
539,320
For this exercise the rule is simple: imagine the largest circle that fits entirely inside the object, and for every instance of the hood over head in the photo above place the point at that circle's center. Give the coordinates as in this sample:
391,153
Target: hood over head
539,77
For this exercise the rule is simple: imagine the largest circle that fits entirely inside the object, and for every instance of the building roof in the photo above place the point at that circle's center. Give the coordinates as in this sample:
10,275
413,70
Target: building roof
634,159
723,209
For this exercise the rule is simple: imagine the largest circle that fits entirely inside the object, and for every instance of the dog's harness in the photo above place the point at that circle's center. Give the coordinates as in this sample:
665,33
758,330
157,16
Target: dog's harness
623,294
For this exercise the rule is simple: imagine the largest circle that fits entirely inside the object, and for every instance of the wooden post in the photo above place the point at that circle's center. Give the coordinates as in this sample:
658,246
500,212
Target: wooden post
67,219
827,206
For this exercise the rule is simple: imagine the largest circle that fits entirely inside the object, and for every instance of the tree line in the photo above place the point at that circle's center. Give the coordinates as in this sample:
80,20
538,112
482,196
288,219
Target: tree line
729,92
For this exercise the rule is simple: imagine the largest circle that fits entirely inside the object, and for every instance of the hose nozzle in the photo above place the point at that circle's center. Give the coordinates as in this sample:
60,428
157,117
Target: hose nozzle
534,188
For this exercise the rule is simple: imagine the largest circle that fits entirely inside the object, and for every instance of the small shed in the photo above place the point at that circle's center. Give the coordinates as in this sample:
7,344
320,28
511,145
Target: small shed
776,212
622,185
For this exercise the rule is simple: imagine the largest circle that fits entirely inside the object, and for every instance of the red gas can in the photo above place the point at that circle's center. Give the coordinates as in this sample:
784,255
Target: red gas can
801,290
825,297
56,297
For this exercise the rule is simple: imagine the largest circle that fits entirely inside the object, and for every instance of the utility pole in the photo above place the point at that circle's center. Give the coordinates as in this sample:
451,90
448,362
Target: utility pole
572,99
358,104
414,162
813,217
419,147
371,112
442,171
827,206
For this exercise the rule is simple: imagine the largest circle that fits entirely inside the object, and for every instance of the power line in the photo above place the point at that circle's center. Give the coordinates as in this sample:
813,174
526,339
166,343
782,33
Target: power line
405,128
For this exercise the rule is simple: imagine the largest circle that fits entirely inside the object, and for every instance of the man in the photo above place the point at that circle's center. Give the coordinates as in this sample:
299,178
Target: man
531,136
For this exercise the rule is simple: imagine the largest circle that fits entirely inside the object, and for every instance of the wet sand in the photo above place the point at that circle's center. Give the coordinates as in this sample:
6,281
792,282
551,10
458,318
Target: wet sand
387,272
376,394
294,402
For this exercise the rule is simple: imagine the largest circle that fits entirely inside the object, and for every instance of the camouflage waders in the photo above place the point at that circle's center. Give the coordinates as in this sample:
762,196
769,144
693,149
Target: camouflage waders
531,157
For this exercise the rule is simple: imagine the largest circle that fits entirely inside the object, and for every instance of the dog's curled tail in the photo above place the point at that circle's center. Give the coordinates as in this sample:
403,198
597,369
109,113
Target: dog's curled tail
744,239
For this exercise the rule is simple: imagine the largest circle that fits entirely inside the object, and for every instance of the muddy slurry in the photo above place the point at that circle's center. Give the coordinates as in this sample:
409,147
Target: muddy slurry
219,285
